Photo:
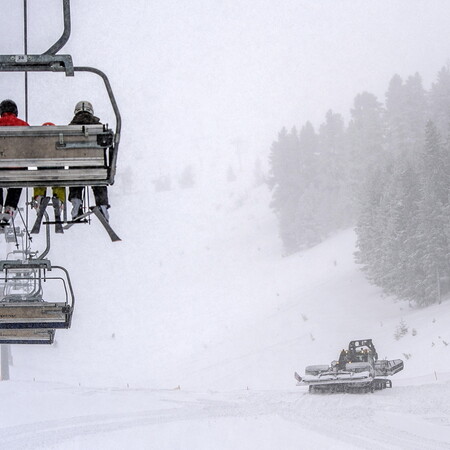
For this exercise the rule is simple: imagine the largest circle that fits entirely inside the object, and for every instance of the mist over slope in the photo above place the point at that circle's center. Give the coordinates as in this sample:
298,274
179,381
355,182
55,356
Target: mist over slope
198,295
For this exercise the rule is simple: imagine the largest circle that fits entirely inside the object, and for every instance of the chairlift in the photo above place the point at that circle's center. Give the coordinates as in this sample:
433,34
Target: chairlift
24,298
69,155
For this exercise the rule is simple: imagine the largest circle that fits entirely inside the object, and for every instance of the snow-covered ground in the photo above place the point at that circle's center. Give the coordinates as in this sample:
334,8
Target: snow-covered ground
186,335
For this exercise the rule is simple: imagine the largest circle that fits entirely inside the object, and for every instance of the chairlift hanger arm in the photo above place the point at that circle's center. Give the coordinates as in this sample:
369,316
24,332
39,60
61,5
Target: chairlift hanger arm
48,61
71,302
111,97
52,62
57,46
58,63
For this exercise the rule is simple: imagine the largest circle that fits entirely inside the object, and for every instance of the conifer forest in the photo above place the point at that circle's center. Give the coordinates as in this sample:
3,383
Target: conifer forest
386,173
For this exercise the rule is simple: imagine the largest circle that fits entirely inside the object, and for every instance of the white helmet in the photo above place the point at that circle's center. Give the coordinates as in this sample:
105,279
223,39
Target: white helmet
84,106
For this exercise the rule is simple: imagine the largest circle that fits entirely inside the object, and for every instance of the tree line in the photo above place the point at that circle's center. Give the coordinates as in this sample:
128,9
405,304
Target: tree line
387,172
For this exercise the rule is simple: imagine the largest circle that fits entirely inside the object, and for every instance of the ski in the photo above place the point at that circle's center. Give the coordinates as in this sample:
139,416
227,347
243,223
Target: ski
105,223
57,208
79,219
40,214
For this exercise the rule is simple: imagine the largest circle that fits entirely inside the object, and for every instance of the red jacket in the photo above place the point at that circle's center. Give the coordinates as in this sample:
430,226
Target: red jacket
11,120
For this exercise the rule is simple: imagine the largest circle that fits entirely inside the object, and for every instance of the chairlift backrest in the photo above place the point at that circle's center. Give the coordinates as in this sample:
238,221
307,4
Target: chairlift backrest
69,155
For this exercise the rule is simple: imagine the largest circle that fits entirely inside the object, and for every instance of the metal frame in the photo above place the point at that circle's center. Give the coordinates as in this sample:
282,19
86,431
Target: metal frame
49,61
19,312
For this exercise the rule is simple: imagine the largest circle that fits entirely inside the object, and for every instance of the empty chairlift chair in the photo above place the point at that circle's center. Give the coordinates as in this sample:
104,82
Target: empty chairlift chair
35,295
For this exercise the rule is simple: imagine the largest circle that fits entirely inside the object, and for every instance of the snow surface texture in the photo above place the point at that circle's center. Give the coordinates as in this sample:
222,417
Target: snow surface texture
188,332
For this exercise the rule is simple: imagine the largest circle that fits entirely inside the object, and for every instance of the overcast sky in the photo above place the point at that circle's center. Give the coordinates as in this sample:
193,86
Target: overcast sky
202,73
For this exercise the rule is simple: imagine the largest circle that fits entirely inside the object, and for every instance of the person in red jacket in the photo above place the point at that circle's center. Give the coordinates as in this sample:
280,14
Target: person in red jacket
8,118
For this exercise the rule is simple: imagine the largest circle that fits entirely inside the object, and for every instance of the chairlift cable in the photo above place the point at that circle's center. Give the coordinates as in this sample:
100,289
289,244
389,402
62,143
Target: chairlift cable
25,52
28,236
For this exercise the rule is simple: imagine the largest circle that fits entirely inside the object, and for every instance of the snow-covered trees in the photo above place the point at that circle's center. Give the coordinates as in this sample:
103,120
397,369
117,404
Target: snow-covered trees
388,172
307,176
403,228
439,98
286,181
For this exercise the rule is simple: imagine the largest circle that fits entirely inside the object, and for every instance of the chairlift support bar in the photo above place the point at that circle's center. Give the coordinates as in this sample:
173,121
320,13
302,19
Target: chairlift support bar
57,46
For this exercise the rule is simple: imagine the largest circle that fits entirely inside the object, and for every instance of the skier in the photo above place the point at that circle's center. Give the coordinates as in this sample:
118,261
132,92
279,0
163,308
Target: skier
84,115
59,193
8,118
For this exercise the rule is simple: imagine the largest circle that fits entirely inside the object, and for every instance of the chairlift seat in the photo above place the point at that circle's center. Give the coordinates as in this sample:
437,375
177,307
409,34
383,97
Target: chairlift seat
22,304
27,336
35,315
69,155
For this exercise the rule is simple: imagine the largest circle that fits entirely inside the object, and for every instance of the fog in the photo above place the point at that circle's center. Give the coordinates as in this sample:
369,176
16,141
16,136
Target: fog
202,293
213,77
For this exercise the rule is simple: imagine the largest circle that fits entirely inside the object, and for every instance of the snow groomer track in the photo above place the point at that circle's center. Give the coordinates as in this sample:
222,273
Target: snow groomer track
409,417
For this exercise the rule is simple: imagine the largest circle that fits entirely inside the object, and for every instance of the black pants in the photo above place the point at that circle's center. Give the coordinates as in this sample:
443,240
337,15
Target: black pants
100,194
12,197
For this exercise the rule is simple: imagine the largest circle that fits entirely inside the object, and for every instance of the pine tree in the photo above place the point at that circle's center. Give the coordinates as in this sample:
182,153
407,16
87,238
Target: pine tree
332,173
395,120
439,99
416,112
365,139
432,249
285,181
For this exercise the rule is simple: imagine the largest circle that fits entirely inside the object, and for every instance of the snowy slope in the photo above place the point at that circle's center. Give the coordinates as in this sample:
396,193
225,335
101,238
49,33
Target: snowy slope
200,299
198,295
53,416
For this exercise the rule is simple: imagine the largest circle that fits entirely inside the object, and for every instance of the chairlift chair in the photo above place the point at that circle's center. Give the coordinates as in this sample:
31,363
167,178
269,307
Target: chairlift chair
23,303
69,155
